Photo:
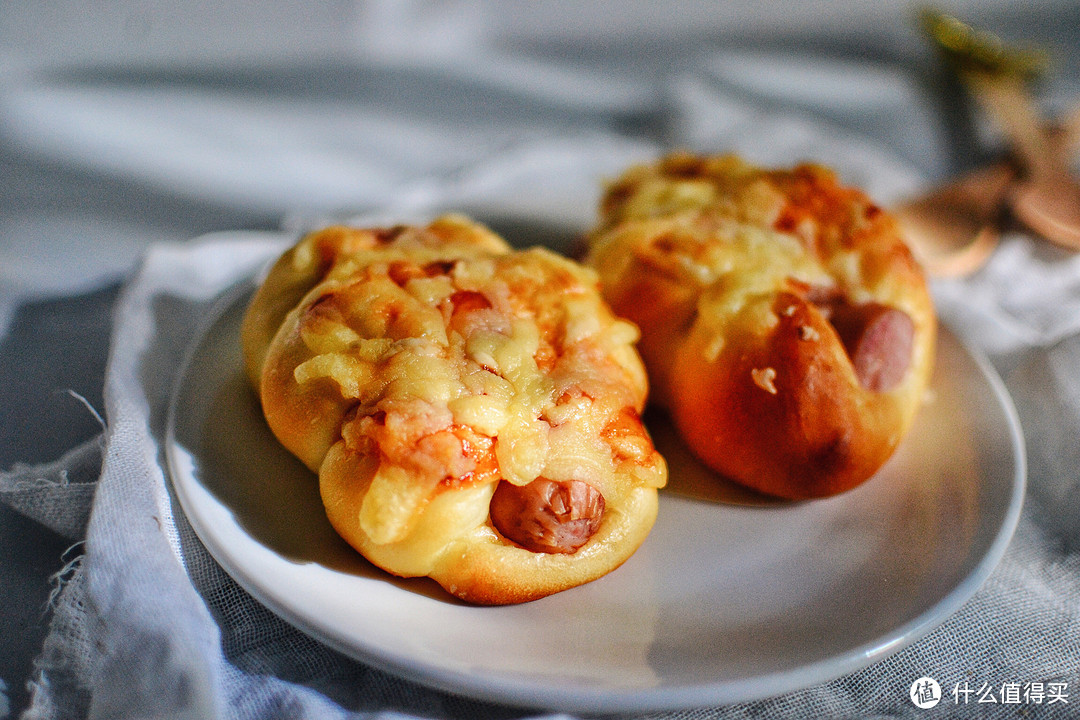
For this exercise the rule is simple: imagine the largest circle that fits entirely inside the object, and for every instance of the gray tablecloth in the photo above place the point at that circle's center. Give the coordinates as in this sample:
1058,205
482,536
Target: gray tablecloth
130,130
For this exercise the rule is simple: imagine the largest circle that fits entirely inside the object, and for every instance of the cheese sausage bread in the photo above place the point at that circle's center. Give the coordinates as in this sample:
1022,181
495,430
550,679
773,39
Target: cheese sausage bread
785,325
472,411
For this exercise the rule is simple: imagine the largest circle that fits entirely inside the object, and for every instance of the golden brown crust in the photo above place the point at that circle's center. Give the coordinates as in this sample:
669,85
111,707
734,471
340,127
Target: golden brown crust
785,324
416,368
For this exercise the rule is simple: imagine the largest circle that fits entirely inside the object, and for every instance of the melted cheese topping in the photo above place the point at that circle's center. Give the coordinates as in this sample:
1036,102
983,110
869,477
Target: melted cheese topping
464,362
738,234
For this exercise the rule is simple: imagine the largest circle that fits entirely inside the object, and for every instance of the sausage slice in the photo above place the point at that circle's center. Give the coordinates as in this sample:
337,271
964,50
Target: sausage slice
547,516
879,340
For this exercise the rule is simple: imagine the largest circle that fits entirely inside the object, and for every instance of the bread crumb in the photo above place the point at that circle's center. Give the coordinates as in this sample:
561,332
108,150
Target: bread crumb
808,333
764,378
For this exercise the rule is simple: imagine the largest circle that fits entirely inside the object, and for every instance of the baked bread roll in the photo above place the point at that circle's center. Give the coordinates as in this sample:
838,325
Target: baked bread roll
785,325
472,412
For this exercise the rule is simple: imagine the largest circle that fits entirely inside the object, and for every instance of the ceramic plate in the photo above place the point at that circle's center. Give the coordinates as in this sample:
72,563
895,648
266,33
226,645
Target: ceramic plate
730,599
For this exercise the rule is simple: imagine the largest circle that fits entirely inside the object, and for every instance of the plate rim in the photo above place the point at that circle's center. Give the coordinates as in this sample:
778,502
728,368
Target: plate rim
593,699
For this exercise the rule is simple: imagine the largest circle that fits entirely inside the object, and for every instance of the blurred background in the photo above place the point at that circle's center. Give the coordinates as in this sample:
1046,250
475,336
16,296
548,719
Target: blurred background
124,120
130,122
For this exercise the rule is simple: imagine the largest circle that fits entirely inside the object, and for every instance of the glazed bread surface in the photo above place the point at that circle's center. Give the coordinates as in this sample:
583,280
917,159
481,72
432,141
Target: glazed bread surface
785,325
